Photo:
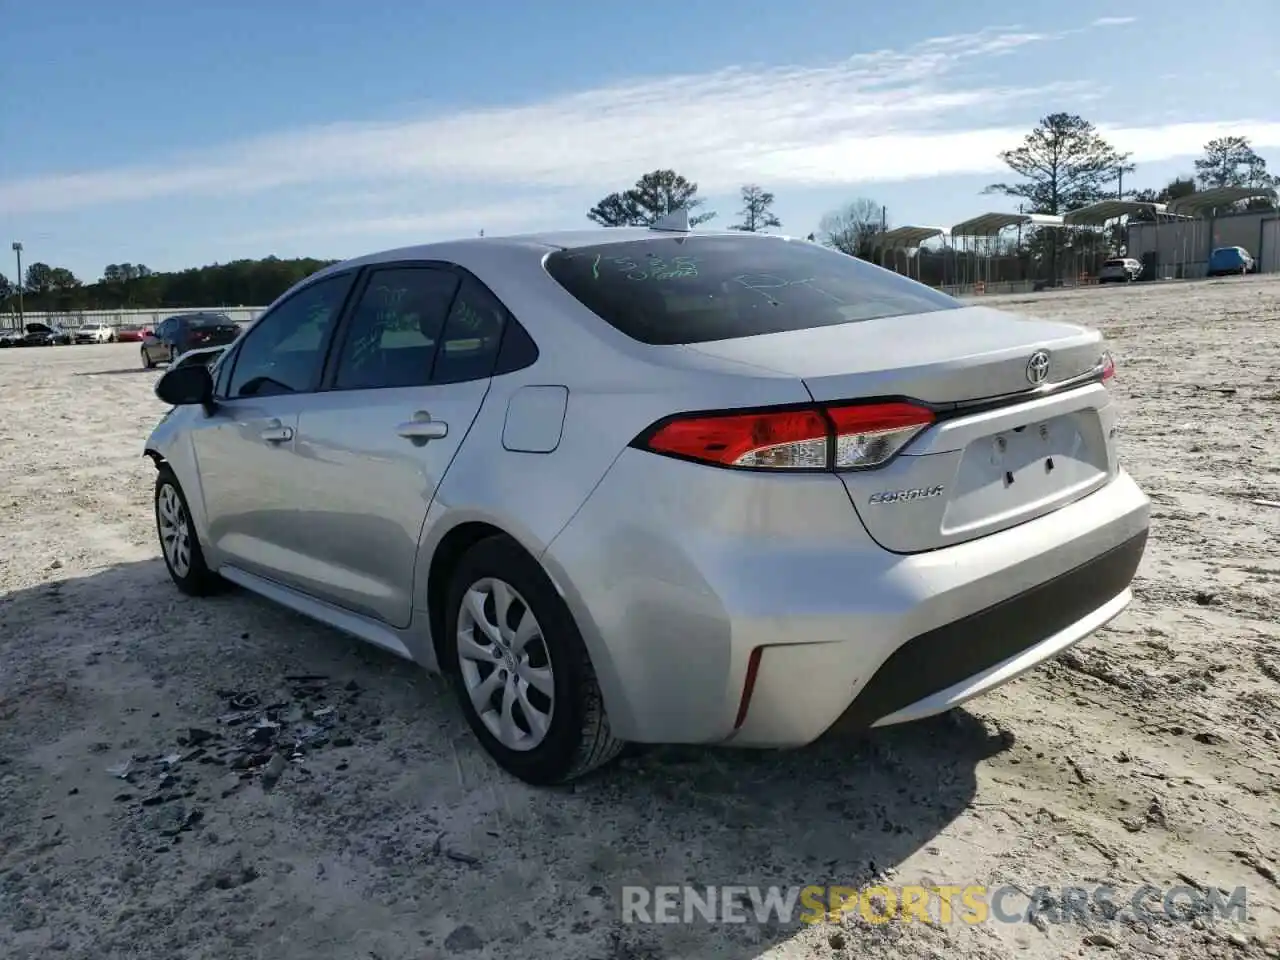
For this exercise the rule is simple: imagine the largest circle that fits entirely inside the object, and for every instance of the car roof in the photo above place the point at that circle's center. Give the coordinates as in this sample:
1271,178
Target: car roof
539,244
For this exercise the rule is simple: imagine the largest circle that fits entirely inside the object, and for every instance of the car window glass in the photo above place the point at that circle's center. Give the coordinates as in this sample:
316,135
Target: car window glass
697,289
395,328
284,350
472,335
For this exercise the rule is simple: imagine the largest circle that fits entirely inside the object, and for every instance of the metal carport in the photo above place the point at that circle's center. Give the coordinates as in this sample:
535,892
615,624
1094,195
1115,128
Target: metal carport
979,235
908,239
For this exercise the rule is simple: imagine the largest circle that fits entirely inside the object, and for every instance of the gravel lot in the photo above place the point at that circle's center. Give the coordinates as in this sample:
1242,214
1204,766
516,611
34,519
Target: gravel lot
1149,755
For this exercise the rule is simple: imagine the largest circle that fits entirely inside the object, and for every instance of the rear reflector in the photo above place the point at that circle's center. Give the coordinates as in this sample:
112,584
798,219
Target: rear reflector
748,687
1108,367
848,436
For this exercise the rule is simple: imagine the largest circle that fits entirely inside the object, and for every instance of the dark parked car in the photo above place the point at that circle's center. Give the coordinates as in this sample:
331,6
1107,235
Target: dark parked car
11,338
189,331
43,335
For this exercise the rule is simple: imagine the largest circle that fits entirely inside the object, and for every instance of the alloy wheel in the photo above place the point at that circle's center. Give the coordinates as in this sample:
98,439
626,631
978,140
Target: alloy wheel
505,665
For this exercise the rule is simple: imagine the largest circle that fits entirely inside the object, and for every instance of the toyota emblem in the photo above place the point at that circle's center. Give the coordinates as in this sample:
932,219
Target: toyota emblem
1038,367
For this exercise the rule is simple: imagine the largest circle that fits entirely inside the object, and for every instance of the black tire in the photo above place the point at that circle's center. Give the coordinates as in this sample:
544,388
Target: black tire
578,739
199,580
147,362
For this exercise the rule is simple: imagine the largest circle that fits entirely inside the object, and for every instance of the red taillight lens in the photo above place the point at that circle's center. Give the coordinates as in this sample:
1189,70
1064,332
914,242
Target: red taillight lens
1108,367
784,439
868,435
841,437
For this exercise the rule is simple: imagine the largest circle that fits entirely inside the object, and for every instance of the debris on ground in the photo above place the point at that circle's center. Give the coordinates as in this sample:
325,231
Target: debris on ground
255,738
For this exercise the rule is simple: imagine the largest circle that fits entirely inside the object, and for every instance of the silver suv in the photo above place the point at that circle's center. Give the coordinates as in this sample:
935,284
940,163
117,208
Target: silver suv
1120,270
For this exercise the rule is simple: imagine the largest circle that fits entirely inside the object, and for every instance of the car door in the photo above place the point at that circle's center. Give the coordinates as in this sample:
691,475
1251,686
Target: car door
152,344
410,370
176,330
244,446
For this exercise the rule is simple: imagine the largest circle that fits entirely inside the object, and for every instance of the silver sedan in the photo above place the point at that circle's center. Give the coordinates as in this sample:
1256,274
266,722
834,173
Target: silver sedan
656,485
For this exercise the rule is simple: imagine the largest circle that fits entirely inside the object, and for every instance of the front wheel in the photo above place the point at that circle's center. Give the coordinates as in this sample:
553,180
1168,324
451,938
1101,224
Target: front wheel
178,542
520,669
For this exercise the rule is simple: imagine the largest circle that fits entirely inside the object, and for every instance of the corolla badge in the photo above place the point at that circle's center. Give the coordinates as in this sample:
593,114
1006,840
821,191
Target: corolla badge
903,496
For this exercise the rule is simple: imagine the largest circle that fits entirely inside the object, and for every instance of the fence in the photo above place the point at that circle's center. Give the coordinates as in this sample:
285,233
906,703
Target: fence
123,318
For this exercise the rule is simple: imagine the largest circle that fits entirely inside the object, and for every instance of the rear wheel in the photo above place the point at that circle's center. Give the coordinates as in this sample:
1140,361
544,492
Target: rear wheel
147,362
178,541
520,669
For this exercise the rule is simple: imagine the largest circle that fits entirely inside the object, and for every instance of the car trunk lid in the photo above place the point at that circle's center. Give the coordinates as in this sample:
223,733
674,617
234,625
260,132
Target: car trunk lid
1023,427
213,335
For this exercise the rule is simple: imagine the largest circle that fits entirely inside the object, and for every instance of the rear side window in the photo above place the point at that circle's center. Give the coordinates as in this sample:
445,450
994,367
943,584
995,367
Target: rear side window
674,290
472,336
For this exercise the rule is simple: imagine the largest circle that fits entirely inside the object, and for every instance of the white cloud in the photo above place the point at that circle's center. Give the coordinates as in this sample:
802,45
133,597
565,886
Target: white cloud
1113,21
457,221
881,116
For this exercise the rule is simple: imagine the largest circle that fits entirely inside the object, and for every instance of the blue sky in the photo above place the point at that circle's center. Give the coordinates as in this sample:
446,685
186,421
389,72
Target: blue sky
178,134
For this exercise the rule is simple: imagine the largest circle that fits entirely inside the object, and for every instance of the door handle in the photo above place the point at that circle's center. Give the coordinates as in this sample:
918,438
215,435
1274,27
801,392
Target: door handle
276,433
422,428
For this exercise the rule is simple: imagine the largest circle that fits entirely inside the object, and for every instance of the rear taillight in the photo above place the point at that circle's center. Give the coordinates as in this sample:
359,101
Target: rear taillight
846,436
1108,367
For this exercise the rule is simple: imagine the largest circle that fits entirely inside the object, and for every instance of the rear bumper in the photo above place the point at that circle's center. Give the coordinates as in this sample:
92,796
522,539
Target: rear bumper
674,591
937,670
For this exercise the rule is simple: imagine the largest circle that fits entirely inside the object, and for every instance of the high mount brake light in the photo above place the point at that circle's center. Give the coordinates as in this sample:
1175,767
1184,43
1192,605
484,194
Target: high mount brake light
844,436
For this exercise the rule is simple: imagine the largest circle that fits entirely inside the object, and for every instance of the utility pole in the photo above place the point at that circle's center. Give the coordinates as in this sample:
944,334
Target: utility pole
17,252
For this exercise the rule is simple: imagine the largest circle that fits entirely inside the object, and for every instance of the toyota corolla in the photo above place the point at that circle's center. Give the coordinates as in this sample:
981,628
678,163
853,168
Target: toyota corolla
656,485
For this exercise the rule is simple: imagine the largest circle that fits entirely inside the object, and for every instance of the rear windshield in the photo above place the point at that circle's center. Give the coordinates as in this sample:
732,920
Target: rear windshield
673,290
205,323
1114,263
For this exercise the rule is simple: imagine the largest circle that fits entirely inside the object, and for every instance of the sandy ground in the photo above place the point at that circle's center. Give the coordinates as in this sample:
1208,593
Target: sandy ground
1150,755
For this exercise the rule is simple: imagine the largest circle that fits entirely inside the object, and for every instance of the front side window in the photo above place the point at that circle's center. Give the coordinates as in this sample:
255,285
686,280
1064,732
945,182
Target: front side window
691,289
395,329
284,351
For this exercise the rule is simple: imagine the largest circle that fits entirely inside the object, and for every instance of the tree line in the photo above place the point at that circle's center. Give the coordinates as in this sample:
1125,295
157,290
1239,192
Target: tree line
129,286
1063,164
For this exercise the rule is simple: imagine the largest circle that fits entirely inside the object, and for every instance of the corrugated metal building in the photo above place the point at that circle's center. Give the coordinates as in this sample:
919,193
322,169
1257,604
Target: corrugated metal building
1178,244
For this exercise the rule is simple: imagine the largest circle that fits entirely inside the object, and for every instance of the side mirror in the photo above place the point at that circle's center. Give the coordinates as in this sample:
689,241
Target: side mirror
186,385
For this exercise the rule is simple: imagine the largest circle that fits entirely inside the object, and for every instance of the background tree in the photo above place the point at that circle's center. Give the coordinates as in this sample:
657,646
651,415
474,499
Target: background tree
852,229
39,280
757,210
1064,165
654,195
1177,187
7,289
1232,162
